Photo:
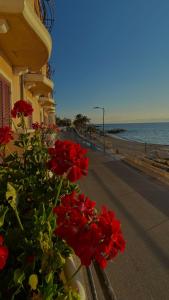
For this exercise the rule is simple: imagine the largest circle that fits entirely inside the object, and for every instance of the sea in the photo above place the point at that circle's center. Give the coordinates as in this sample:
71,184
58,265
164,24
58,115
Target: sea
151,133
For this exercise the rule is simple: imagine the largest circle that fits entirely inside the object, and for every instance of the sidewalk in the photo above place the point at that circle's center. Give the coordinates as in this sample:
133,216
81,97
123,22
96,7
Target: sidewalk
142,205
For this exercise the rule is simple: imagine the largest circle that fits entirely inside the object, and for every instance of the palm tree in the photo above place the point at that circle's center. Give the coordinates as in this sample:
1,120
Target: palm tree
81,121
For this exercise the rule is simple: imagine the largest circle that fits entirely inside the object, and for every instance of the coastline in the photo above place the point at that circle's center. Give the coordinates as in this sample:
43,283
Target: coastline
116,136
151,133
119,145
153,159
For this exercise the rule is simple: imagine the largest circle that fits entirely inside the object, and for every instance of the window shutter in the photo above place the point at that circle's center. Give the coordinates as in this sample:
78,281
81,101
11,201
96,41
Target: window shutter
1,105
6,105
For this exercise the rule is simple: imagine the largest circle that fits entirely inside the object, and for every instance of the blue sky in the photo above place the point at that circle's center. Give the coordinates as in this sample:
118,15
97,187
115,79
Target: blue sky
113,54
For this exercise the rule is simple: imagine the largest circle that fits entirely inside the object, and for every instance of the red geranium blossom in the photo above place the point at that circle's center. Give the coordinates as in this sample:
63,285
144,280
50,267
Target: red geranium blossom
3,253
21,107
68,157
36,126
5,135
92,236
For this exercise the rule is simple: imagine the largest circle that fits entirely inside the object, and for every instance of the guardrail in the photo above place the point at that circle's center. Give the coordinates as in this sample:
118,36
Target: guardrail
104,282
45,9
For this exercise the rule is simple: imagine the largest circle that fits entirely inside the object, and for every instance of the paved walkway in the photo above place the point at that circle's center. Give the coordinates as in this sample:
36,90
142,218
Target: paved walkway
142,205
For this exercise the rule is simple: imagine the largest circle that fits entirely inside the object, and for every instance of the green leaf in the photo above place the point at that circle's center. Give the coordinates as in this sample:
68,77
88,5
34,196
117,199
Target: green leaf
19,276
3,211
11,195
49,277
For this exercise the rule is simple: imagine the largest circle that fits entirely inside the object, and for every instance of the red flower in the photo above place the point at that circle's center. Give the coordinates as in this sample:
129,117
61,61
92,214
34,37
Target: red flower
93,236
36,126
21,107
5,135
68,157
3,253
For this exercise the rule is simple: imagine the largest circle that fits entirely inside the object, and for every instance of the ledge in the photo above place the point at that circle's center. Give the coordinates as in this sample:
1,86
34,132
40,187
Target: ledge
148,169
38,84
45,101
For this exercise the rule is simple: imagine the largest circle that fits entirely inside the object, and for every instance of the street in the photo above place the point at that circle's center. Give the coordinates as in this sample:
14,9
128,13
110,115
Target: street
142,205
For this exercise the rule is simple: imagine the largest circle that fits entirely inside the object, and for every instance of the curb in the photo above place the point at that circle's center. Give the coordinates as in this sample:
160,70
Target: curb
161,175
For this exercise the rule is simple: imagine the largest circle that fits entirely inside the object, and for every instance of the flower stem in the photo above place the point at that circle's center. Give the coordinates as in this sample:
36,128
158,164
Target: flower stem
57,196
74,274
16,129
19,220
59,189
3,152
23,123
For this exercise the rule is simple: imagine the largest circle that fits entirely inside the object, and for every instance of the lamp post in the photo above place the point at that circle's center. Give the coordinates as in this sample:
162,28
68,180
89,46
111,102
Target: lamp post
103,110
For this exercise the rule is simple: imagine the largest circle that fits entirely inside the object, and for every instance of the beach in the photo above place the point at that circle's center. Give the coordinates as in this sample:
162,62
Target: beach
125,147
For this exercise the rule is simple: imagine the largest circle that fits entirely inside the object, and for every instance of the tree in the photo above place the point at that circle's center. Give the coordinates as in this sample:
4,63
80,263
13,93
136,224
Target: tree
81,121
63,122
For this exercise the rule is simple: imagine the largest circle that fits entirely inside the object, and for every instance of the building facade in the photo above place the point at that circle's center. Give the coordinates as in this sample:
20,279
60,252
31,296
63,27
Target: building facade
25,49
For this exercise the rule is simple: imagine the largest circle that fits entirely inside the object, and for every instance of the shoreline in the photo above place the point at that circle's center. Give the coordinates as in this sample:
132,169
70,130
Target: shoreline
139,132
153,162
116,136
118,145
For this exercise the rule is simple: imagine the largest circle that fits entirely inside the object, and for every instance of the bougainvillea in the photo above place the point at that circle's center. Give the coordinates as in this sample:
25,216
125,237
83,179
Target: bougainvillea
5,135
21,107
68,158
92,235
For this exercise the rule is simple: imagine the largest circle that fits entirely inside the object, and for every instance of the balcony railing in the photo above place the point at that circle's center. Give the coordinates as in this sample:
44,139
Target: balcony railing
45,9
50,71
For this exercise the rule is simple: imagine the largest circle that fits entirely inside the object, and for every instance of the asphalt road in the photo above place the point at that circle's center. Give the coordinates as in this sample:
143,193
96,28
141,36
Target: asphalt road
142,205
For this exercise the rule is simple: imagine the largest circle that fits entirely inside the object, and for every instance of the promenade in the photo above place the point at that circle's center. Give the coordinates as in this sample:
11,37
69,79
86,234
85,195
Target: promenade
142,205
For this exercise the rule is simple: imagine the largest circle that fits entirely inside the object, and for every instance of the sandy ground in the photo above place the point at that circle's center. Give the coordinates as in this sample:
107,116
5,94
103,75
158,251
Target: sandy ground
124,147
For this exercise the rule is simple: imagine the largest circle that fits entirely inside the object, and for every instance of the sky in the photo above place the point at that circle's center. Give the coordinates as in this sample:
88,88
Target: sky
113,54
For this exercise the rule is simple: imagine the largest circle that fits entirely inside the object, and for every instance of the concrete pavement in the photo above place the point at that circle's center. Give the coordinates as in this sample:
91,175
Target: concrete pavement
142,205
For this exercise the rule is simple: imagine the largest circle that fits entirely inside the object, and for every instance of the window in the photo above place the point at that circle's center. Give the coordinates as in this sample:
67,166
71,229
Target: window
5,103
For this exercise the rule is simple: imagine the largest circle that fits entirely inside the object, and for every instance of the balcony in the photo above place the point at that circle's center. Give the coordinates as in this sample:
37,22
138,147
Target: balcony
24,39
38,84
47,102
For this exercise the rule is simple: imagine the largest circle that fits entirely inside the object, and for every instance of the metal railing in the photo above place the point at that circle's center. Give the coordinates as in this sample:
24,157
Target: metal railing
50,71
104,282
45,9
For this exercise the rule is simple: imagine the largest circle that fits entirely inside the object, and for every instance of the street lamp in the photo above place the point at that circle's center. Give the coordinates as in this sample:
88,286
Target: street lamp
103,110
